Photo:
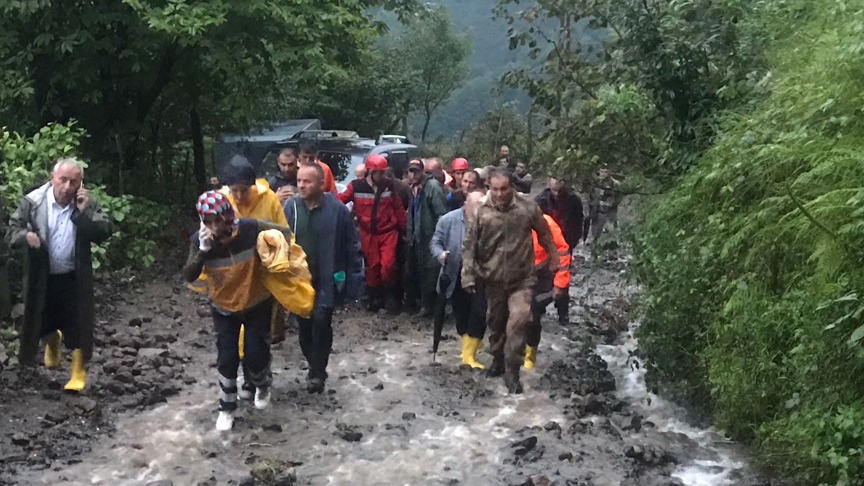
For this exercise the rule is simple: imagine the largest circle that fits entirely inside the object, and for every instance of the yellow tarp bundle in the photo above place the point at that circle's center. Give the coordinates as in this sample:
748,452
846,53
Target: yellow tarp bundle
288,277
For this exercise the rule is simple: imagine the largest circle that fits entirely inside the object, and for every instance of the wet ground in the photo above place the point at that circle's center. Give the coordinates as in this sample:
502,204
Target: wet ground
390,415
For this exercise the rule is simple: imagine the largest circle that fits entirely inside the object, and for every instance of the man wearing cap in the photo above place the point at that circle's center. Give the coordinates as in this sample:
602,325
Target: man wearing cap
380,219
427,206
225,247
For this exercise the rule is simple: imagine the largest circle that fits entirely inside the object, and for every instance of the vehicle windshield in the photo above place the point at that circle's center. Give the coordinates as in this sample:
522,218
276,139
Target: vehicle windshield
341,164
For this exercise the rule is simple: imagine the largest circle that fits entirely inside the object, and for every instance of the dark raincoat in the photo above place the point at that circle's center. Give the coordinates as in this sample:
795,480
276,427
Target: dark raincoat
92,226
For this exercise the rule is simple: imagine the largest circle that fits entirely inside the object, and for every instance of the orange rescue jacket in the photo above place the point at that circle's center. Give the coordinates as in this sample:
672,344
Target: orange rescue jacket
562,276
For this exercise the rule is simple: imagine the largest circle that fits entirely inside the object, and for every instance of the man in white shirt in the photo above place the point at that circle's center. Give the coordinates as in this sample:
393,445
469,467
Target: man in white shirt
56,223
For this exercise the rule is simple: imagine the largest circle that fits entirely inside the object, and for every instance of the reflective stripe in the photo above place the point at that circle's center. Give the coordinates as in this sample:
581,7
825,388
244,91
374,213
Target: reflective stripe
386,193
542,263
227,382
543,296
227,397
363,195
252,304
232,260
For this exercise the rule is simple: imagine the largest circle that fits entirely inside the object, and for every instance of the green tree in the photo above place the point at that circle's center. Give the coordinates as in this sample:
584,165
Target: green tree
143,77
437,59
646,97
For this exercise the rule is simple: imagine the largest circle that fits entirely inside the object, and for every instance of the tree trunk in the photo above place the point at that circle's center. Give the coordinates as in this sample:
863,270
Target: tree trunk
197,150
426,117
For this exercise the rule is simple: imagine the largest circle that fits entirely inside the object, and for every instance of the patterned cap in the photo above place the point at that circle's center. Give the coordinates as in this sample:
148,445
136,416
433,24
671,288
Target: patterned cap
212,202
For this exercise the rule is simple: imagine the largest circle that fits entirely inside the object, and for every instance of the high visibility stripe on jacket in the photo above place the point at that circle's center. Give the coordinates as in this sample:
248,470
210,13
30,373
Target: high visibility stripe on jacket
562,275
376,213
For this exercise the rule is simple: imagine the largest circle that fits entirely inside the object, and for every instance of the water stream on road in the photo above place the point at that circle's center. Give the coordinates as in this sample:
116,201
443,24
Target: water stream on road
460,433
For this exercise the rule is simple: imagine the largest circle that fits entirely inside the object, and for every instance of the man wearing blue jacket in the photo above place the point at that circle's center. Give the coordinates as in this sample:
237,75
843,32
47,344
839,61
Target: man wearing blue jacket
325,230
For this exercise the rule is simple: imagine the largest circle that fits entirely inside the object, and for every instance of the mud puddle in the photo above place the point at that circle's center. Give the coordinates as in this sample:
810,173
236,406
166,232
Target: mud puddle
392,417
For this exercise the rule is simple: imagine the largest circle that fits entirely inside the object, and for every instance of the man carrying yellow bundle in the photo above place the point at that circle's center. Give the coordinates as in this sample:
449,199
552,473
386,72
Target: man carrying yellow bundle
252,198
241,287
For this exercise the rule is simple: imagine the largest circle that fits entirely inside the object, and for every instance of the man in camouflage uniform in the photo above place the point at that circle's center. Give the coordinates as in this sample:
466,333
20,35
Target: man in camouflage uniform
498,256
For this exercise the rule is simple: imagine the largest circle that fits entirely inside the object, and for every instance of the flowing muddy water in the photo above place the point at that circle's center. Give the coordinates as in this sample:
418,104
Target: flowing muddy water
421,423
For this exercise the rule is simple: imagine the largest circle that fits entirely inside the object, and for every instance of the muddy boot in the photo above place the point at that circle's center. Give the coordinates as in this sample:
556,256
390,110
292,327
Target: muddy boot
52,350
373,299
469,351
530,357
393,301
511,379
315,385
79,373
497,368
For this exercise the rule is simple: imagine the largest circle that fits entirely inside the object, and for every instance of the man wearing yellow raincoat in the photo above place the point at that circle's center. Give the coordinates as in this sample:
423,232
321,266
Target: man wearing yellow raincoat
248,265
252,198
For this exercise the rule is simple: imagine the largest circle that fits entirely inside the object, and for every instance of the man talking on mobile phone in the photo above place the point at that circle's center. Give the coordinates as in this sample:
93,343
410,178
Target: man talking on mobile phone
56,224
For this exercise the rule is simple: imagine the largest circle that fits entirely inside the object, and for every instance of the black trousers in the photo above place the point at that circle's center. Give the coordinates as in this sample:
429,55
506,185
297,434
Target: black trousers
256,350
316,340
469,310
61,309
541,299
421,276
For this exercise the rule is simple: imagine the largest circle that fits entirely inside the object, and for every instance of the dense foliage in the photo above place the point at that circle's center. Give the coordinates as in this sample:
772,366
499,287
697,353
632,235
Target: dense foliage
148,79
27,161
645,97
752,263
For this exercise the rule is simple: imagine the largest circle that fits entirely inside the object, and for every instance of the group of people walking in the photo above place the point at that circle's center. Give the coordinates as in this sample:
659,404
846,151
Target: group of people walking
471,237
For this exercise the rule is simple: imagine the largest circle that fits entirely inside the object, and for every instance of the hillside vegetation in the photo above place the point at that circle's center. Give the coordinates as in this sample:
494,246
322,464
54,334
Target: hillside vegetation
752,263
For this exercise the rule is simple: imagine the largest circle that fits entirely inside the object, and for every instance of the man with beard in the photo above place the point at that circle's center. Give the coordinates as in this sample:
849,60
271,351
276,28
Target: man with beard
381,220
283,183
498,254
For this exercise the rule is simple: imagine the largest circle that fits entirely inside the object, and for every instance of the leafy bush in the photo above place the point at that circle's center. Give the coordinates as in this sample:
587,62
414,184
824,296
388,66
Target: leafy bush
28,160
752,266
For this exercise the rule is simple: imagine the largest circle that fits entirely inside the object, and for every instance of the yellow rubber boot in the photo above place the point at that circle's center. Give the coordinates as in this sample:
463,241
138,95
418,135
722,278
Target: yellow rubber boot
465,339
469,350
530,357
52,350
241,340
79,374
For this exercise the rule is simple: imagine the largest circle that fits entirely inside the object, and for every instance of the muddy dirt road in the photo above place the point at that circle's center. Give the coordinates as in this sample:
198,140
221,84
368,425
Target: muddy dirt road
390,416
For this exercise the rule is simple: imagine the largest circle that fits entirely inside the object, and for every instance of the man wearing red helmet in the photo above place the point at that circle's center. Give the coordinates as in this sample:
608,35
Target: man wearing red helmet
381,219
456,196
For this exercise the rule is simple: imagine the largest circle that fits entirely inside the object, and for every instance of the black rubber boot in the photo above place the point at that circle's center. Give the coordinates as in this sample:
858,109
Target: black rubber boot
373,299
511,379
497,368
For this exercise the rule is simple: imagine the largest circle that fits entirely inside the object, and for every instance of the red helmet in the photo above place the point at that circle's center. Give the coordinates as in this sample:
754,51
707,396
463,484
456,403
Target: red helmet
459,164
376,162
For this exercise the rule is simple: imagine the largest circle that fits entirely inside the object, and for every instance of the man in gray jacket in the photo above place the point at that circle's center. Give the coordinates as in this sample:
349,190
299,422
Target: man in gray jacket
469,310
55,224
